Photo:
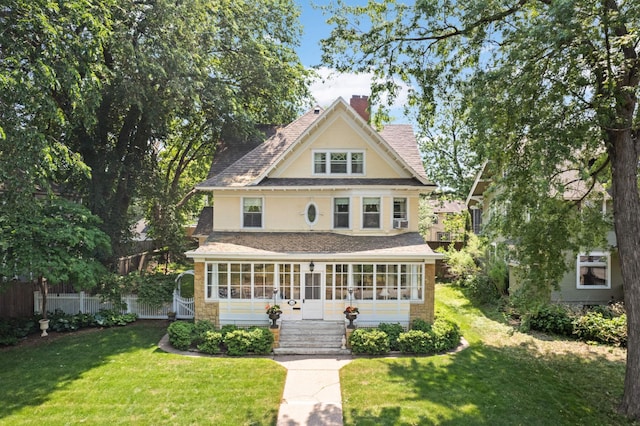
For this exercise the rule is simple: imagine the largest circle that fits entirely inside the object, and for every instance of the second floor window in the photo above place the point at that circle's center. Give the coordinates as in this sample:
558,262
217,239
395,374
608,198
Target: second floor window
371,212
338,163
252,212
341,213
400,208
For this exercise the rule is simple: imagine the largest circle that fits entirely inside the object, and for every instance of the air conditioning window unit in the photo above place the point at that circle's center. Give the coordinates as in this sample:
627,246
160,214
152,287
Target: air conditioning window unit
400,223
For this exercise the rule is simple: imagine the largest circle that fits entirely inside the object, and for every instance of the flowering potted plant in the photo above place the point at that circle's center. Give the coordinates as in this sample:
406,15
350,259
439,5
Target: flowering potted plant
351,312
274,313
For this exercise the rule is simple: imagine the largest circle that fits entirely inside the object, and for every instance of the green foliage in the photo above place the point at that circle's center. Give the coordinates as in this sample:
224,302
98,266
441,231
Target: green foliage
210,342
228,328
262,340
393,332
416,342
156,289
595,327
550,318
14,329
425,338
180,334
464,263
238,342
200,328
420,325
369,341
111,318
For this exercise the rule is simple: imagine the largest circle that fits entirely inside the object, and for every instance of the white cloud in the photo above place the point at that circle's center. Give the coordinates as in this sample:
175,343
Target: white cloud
330,85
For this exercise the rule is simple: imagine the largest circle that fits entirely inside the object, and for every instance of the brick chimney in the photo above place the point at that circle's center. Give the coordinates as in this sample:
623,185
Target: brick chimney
361,105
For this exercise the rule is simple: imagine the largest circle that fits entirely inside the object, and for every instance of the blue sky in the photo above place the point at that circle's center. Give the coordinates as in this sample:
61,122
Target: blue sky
332,84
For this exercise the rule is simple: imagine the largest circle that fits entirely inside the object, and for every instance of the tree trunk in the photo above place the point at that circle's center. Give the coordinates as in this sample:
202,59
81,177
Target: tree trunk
44,289
626,205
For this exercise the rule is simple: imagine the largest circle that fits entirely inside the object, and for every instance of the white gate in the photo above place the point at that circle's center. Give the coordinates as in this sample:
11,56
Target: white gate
184,307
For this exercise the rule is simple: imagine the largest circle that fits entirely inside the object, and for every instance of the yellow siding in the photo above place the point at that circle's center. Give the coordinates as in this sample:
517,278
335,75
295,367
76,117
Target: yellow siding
340,136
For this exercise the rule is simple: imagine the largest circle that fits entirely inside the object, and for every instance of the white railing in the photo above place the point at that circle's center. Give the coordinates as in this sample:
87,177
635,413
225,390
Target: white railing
73,303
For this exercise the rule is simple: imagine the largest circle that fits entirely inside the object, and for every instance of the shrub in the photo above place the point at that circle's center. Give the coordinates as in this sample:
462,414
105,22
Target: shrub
180,334
238,342
225,329
200,328
369,341
210,342
593,326
551,319
393,332
416,342
482,289
261,340
110,318
446,334
420,325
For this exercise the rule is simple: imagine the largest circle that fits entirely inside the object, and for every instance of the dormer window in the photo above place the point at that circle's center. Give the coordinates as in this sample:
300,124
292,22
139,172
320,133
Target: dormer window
338,162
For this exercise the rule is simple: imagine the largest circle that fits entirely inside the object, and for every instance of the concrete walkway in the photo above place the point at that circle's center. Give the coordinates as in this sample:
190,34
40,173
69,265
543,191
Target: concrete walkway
312,390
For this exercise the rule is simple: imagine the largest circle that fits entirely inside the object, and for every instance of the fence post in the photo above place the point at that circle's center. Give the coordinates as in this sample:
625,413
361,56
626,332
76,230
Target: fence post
82,302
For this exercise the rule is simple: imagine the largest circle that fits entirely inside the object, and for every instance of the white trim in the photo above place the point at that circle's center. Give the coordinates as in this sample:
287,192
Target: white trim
333,212
262,213
306,213
606,264
327,162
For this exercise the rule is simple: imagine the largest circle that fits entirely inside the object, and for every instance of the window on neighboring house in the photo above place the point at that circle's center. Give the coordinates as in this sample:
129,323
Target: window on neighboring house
338,162
252,212
434,219
400,208
443,236
371,212
341,212
594,270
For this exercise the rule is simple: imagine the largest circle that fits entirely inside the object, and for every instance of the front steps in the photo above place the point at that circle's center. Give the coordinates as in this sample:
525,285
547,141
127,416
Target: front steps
311,337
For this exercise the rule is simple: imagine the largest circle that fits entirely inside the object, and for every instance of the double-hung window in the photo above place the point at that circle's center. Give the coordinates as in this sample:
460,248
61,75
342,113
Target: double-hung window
343,162
594,270
341,212
371,212
252,212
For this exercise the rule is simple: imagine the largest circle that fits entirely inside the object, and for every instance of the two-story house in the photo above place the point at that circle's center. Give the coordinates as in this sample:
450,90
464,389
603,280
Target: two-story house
593,277
321,215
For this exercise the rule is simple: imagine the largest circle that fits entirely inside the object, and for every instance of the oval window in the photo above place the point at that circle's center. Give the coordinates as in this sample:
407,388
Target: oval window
312,213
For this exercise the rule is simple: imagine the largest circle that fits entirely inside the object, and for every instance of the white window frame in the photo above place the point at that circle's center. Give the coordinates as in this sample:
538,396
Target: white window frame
327,162
606,264
262,215
333,212
365,213
306,213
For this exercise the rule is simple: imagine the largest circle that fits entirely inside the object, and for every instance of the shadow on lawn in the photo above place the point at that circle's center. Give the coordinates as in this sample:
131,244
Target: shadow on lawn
503,386
30,374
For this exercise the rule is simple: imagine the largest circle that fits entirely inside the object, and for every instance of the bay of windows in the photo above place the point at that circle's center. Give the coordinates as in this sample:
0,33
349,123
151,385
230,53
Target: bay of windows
371,212
368,281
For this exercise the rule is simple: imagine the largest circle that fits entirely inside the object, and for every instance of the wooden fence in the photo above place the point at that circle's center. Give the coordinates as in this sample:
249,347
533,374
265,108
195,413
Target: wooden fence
16,299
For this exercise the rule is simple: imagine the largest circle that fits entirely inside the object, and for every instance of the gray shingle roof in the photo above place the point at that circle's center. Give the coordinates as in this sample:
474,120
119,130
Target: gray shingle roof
308,243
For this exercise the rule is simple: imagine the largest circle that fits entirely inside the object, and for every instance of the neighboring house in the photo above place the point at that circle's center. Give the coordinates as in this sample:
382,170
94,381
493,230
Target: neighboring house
321,215
439,235
595,277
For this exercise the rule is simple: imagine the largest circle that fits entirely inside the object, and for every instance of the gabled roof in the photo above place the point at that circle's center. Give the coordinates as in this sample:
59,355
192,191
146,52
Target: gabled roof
253,168
447,206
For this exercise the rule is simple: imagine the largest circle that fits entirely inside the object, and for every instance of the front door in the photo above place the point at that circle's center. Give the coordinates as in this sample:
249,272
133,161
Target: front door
312,302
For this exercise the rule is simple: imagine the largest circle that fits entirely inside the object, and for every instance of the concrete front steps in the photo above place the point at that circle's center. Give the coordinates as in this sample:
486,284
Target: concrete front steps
311,337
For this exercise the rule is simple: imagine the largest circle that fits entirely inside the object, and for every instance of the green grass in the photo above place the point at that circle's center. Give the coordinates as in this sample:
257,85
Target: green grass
119,376
503,378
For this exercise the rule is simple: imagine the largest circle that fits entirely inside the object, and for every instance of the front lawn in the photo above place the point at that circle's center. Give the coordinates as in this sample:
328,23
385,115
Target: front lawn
119,376
503,378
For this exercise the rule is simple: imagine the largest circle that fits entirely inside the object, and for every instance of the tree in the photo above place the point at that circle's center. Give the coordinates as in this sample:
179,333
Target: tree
552,88
178,75
64,244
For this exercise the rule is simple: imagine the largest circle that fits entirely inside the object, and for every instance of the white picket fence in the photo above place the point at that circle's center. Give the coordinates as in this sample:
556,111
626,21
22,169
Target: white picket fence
73,303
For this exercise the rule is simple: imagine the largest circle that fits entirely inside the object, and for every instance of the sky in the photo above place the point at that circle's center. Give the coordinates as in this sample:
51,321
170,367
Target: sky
331,84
